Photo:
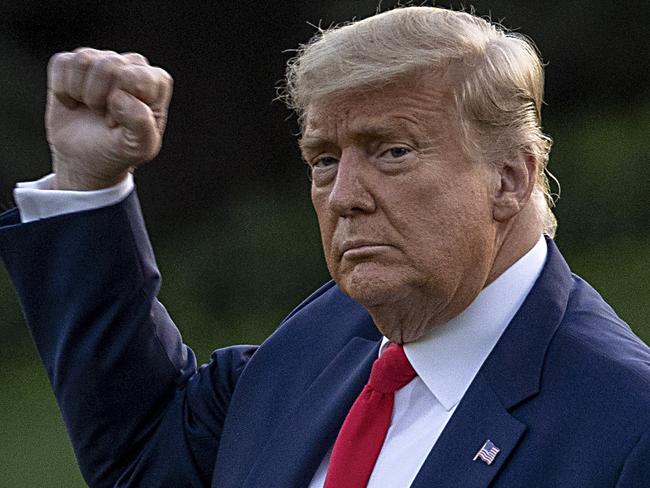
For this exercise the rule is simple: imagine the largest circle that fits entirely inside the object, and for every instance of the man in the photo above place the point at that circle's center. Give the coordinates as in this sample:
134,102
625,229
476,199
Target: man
422,131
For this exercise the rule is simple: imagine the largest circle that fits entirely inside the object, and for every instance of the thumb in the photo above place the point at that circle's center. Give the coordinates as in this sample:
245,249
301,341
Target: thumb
136,133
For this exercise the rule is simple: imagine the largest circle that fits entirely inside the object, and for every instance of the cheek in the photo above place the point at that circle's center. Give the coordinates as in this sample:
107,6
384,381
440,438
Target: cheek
325,223
440,219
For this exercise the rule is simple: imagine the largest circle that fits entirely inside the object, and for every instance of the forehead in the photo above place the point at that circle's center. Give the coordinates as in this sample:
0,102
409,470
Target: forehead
418,108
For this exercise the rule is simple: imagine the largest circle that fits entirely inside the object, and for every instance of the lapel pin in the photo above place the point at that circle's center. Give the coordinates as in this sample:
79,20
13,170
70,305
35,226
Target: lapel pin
487,453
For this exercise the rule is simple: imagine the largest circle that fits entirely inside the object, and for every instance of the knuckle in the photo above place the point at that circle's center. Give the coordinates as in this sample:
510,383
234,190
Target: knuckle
144,72
58,60
107,64
135,58
85,58
124,77
163,76
149,81
93,51
138,79
128,72
56,72
55,59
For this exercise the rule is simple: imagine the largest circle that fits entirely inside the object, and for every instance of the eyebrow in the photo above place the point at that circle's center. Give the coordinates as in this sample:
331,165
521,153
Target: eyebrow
370,131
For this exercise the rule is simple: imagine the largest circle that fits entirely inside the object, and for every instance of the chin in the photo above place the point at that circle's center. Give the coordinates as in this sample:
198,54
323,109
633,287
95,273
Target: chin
369,297
371,285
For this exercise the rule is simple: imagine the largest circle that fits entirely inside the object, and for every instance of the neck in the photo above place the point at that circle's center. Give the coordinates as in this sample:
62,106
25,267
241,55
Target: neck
513,240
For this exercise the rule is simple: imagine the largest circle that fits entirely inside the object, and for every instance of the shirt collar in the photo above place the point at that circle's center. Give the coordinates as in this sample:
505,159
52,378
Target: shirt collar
448,357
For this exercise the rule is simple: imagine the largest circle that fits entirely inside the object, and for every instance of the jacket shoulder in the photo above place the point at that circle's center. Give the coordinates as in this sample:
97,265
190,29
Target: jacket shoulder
597,345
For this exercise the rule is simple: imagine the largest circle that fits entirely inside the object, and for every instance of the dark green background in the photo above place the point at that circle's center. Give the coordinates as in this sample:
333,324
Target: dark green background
227,199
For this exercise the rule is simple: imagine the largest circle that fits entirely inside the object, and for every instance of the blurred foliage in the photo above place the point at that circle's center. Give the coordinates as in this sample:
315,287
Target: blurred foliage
619,271
34,446
601,158
227,202
234,278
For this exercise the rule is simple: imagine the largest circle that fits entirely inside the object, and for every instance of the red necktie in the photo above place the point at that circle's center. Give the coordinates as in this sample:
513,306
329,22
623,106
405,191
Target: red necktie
362,435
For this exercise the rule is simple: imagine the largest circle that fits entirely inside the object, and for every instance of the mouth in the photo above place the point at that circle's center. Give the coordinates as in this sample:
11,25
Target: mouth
356,249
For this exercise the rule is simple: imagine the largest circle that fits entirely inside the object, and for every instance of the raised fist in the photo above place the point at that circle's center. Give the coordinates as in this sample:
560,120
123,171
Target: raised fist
106,113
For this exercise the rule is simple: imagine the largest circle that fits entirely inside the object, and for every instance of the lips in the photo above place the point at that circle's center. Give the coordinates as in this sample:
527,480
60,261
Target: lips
361,246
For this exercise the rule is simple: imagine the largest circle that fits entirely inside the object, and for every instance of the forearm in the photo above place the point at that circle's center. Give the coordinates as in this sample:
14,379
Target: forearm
88,284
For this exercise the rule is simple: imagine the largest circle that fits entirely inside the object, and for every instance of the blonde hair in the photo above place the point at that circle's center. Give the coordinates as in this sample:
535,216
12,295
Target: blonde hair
498,98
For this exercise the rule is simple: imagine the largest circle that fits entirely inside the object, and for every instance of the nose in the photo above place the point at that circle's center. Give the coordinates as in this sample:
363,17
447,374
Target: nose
351,192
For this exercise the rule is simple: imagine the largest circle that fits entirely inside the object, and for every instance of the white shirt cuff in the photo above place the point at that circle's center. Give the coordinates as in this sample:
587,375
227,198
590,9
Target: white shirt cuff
37,200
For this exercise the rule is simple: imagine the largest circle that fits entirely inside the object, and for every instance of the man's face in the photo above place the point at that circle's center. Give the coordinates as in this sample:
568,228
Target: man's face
405,216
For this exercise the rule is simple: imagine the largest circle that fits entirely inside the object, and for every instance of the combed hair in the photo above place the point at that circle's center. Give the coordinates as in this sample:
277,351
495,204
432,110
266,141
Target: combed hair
498,98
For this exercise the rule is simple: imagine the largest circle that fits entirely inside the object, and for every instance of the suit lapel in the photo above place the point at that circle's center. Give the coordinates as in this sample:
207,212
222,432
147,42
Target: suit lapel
510,376
515,366
298,445
478,418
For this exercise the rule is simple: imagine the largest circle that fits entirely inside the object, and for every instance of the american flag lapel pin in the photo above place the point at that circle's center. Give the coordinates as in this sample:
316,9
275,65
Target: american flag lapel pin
487,453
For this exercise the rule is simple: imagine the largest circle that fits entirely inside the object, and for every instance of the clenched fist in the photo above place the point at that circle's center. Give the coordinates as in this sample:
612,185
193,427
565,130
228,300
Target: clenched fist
106,114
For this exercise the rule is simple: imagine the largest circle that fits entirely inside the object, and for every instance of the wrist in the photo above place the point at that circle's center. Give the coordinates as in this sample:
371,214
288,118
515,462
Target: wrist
72,177
76,182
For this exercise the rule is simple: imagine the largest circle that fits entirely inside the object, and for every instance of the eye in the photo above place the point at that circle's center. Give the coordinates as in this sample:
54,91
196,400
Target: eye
324,161
398,152
320,168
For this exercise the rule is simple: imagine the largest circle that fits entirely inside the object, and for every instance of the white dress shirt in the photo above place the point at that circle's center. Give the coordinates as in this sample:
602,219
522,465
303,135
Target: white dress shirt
446,360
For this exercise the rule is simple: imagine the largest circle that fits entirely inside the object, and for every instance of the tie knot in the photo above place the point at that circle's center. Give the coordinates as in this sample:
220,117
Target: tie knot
391,371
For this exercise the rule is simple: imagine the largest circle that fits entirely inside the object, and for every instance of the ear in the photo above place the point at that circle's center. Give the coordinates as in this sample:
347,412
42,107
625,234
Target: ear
515,181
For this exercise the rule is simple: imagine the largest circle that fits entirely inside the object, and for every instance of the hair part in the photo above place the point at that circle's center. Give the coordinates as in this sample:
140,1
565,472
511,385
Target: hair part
498,95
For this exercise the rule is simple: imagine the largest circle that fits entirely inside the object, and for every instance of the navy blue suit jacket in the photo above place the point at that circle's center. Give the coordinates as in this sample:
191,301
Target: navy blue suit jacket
565,394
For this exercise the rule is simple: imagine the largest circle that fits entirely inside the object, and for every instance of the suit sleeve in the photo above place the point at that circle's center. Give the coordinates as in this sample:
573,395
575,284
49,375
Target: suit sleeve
136,408
636,470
